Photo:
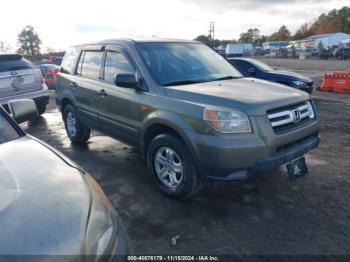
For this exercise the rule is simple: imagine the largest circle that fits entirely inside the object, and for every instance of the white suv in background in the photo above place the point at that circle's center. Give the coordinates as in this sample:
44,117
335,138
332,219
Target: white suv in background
19,79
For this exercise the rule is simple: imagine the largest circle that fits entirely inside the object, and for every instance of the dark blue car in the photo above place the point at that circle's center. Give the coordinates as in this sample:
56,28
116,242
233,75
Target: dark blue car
254,68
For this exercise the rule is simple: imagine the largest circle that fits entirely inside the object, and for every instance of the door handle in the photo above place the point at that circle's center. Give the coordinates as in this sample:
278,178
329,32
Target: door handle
73,85
102,92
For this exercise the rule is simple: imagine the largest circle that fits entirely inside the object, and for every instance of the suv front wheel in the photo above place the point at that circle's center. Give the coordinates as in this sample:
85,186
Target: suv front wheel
171,165
77,132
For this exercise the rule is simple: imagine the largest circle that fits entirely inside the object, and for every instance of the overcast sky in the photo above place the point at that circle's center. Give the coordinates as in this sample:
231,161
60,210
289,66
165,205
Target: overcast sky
66,22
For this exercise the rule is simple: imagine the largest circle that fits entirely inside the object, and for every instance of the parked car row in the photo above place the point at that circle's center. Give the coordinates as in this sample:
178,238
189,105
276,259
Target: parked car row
342,53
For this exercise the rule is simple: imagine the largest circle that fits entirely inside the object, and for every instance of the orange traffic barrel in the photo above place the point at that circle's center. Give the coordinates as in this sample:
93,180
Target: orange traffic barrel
341,82
327,83
338,82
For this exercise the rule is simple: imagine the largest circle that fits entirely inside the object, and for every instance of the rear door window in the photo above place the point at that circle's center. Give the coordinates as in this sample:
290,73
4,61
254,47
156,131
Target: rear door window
117,63
14,63
90,64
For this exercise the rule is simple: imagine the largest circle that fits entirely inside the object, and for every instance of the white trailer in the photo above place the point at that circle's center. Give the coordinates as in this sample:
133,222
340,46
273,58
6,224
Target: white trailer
239,49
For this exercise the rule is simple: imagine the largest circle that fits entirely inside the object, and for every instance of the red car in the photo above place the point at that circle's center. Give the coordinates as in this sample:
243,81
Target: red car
49,72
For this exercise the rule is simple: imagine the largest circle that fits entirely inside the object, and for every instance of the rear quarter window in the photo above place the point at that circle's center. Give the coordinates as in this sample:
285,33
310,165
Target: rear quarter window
14,63
69,60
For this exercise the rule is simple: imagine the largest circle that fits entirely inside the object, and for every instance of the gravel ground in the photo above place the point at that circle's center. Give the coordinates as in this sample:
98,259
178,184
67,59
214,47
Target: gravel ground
265,216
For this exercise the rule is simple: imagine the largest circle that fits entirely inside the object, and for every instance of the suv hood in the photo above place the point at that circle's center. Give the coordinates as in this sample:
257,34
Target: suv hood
253,96
289,74
44,202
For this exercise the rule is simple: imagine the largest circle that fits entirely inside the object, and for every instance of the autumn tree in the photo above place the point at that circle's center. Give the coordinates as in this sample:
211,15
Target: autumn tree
332,22
283,34
29,42
302,32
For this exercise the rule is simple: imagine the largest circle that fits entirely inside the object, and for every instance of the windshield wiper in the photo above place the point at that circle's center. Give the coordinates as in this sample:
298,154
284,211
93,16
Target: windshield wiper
188,82
183,82
226,78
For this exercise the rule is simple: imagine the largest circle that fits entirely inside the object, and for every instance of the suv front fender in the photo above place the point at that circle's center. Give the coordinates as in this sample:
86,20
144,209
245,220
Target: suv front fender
174,122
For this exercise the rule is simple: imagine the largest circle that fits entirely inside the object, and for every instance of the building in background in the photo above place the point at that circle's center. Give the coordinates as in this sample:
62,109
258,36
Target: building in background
333,39
272,46
346,42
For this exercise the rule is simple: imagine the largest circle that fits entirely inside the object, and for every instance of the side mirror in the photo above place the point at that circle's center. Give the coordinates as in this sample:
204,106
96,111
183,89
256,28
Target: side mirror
23,110
126,80
251,71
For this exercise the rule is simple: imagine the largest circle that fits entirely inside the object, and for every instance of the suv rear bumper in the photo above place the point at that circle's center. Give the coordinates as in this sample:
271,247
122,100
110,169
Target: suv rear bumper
245,155
40,97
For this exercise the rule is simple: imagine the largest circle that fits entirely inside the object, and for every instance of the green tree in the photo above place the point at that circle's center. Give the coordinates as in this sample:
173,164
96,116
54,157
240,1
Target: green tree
251,36
320,46
204,39
209,41
261,40
29,42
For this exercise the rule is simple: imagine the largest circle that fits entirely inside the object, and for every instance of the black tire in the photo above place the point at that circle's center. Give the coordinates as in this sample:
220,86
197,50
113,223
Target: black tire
41,108
191,180
82,133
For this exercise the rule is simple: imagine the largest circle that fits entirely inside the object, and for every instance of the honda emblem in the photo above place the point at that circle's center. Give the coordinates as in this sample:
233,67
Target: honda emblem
296,114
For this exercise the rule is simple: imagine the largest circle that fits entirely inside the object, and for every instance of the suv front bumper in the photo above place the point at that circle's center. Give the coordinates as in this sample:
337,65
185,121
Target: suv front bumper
241,156
270,163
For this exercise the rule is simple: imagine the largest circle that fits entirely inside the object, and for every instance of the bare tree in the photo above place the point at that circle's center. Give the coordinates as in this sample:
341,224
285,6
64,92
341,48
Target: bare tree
5,48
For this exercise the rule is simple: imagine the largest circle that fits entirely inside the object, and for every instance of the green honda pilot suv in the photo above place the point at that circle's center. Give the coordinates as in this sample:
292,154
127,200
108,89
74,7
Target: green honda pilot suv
192,115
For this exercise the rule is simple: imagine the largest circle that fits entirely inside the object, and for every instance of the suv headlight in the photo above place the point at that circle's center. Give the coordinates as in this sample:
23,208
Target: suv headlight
311,110
227,120
299,84
100,240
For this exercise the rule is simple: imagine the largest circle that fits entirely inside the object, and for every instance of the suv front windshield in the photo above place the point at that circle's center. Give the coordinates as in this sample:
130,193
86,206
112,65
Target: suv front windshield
7,132
262,66
184,63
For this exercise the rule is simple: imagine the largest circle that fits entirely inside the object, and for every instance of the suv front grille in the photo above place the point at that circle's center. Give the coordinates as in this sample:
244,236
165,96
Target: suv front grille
289,118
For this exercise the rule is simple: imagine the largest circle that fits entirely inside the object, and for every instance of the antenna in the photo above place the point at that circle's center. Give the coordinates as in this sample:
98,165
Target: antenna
212,32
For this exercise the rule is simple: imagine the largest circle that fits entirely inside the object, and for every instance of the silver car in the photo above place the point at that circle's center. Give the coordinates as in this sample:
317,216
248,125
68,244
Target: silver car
49,205
20,79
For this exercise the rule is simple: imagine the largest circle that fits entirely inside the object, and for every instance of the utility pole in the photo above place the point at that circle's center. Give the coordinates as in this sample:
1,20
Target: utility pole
212,32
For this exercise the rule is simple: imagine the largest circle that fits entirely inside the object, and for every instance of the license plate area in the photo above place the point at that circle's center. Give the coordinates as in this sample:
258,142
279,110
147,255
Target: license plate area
297,168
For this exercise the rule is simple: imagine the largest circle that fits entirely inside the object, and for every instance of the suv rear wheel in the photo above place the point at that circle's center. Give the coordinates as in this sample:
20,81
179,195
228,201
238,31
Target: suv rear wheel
171,165
77,132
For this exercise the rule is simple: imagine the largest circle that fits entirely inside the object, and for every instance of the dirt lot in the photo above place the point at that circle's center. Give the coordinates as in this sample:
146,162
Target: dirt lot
268,215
